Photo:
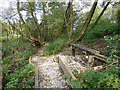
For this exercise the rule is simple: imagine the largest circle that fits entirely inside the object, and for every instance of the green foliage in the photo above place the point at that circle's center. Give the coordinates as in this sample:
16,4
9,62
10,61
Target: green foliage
113,47
56,45
17,71
100,31
118,15
108,78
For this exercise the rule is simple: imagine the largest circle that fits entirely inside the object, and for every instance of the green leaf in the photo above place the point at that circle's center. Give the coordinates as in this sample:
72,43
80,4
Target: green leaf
75,83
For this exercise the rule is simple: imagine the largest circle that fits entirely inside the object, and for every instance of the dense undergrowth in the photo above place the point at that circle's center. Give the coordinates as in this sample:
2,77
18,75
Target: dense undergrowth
55,46
100,31
17,72
110,33
108,78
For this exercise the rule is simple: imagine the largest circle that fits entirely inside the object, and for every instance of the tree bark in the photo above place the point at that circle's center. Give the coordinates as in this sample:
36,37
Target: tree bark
21,18
46,31
45,22
6,29
35,22
100,14
32,39
83,29
67,16
72,20
19,32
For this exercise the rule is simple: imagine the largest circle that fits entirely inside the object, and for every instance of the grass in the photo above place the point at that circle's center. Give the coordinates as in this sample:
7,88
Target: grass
17,71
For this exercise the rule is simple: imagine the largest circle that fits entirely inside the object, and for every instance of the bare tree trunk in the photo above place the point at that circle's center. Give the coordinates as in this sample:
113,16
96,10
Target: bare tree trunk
19,32
87,21
72,21
43,16
46,31
35,22
32,39
21,18
9,33
46,26
67,16
100,14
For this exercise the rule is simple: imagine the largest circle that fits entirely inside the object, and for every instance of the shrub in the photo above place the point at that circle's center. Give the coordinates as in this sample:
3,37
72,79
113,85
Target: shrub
17,71
108,78
113,47
118,15
100,31
55,46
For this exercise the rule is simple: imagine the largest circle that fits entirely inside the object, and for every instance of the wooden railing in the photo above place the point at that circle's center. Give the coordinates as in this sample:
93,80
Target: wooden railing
91,53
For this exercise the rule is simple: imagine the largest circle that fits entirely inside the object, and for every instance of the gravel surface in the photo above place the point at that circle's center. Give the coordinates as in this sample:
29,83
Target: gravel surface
50,73
73,62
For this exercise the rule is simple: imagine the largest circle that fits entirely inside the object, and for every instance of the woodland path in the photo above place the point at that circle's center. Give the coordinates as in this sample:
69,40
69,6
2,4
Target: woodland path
49,72
50,75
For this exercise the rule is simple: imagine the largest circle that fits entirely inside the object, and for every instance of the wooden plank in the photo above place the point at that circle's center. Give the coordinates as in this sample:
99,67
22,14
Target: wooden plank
101,59
36,78
92,68
36,73
99,55
1,76
67,71
92,51
85,48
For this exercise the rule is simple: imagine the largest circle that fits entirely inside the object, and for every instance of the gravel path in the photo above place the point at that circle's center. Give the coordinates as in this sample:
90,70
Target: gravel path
50,75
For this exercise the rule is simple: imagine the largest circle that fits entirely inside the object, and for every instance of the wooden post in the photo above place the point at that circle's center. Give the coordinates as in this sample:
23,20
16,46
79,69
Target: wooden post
1,76
36,78
90,61
73,51
87,54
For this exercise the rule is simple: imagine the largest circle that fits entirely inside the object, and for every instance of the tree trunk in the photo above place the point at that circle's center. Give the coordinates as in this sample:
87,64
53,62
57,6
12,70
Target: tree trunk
100,14
46,31
35,22
45,22
72,21
32,39
7,35
66,19
19,32
87,22
21,18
